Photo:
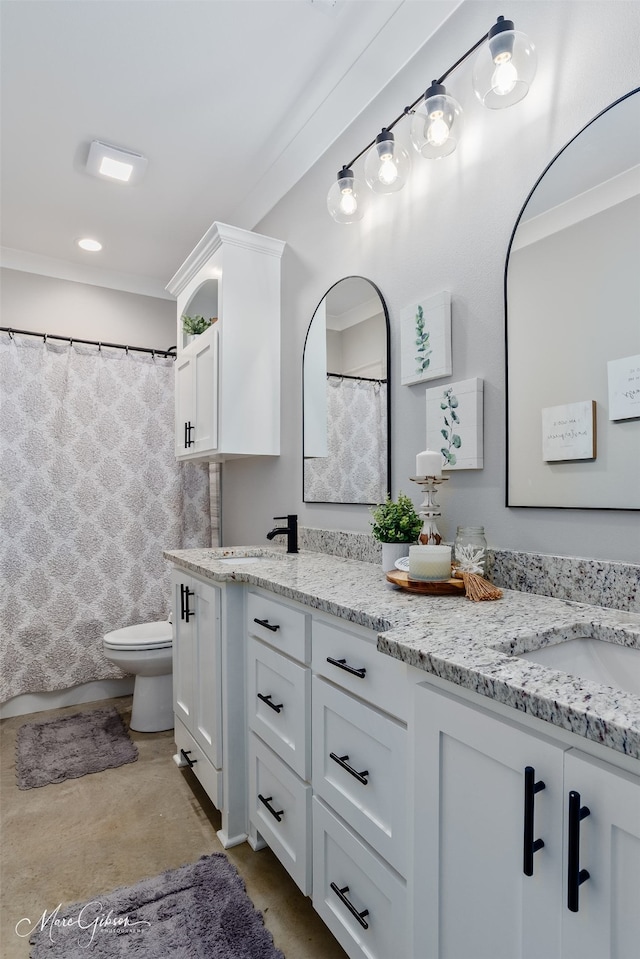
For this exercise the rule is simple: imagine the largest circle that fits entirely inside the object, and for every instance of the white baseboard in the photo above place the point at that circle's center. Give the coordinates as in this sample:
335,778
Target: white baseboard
85,693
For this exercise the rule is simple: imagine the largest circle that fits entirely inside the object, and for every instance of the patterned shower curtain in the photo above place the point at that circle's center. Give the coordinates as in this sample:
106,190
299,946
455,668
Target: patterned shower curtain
90,495
355,469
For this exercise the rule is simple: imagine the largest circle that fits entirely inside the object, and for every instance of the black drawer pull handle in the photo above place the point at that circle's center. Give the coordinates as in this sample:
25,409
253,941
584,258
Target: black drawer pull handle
340,893
531,845
267,624
342,664
575,875
267,700
267,803
185,755
342,761
185,593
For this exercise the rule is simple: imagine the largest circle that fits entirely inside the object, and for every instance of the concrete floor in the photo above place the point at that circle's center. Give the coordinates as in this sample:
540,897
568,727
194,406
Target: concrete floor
72,841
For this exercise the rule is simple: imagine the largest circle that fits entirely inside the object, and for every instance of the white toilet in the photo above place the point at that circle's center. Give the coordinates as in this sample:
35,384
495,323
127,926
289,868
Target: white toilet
145,651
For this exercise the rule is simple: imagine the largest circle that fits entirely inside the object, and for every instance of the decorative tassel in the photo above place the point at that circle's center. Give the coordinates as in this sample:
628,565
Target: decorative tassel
477,588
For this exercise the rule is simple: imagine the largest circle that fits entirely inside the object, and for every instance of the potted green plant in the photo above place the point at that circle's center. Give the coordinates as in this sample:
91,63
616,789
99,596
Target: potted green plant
194,325
397,526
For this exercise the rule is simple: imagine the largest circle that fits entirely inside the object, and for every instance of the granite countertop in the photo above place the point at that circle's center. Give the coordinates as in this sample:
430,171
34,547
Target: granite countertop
450,637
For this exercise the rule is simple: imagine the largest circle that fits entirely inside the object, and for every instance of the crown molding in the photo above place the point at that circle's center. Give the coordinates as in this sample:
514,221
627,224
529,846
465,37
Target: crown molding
217,235
26,262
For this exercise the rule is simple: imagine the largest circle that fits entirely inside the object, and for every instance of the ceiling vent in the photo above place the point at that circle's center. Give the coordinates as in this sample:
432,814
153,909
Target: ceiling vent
115,163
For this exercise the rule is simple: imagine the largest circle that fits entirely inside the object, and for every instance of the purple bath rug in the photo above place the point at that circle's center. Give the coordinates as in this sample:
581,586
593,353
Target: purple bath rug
72,746
199,911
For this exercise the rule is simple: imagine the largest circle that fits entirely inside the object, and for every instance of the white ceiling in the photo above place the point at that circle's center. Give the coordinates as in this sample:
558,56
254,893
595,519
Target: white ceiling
231,101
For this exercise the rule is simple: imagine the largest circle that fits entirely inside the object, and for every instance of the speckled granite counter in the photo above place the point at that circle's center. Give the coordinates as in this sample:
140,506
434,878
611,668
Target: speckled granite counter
460,641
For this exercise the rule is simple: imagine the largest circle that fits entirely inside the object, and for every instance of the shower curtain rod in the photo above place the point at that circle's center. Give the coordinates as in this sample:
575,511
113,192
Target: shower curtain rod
99,343
364,379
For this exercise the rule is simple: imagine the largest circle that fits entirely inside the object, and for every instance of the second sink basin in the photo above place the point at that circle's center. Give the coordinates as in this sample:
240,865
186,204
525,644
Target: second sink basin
592,659
243,560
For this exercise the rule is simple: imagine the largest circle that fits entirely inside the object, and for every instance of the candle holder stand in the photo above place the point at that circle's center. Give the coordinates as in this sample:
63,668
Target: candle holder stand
429,509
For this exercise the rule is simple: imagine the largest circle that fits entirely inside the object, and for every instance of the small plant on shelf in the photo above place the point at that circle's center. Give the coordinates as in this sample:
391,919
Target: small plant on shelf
396,522
194,325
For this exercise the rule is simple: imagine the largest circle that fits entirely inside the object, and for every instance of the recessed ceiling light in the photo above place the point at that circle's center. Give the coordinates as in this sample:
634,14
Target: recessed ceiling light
91,246
115,163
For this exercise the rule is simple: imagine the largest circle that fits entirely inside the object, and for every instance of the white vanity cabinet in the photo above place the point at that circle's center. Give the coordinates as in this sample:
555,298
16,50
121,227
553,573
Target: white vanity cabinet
483,884
228,378
360,785
278,717
208,694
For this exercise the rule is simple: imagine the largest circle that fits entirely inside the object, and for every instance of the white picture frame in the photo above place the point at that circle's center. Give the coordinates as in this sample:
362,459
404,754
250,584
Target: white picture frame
569,432
455,423
623,378
425,334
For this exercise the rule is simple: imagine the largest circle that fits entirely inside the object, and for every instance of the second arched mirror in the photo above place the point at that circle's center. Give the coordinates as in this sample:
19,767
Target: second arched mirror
346,397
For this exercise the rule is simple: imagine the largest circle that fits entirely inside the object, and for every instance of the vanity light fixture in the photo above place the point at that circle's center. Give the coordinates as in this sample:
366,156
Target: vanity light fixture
115,163
345,199
387,164
502,74
437,123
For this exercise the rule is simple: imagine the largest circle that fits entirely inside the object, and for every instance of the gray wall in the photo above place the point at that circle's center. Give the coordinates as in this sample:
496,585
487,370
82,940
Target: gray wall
42,304
447,230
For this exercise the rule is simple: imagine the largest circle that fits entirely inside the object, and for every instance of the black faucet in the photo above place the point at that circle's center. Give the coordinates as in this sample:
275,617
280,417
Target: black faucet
291,530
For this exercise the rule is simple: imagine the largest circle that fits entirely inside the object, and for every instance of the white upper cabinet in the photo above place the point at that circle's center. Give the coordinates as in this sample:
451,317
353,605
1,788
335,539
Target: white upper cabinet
228,378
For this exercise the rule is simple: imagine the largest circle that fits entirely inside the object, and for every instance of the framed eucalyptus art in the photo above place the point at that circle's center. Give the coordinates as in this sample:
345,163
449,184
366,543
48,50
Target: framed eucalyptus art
454,424
425,328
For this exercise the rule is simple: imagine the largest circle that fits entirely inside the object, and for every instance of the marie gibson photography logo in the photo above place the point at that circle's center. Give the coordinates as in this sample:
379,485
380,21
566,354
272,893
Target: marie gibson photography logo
90,921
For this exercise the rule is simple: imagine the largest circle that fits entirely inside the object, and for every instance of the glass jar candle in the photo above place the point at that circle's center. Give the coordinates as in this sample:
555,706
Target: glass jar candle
470,550
430,563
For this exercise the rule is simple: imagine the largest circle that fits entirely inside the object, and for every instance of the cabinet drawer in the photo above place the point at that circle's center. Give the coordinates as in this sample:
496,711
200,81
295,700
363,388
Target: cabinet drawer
343,863
377,678
372,793
278,697
203,769
283,627
283,815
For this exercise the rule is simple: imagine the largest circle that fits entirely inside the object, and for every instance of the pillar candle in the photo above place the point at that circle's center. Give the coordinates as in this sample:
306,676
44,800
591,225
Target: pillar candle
429,463
430,562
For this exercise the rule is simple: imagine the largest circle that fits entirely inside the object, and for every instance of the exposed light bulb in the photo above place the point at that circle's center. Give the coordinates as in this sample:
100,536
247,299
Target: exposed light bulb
505,66
504,77
345,199
348,203
437,130
387,164
436,124
388,172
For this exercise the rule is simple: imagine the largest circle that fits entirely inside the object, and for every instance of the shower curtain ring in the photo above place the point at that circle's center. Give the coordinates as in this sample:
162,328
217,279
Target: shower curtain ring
126,350
99,347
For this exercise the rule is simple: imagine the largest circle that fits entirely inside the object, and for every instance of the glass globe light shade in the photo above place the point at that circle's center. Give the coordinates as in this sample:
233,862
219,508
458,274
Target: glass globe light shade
386,165
505,66
436,124
345,198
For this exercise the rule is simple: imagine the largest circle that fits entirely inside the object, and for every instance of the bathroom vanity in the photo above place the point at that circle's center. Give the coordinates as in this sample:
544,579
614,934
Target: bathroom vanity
434,791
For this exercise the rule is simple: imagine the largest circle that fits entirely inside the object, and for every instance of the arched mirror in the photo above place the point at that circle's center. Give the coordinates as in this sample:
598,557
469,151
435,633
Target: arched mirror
346,399
572,292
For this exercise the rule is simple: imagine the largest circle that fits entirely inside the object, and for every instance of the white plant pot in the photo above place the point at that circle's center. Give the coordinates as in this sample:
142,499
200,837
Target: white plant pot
391,552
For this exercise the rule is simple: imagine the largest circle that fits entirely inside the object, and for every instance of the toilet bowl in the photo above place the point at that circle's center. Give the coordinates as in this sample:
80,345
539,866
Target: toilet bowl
145,651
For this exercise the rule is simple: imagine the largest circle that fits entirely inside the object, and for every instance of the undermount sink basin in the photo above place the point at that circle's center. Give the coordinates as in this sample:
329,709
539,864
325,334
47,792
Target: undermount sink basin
592,659
243,560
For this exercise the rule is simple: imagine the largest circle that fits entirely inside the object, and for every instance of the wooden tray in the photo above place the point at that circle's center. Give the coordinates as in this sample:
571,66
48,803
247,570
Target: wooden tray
447,587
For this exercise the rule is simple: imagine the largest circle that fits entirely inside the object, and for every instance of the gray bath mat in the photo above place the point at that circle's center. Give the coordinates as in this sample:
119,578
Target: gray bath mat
70,747
199,911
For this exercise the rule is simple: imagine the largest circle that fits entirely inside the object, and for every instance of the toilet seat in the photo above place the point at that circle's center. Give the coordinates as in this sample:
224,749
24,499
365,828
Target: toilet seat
140,637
